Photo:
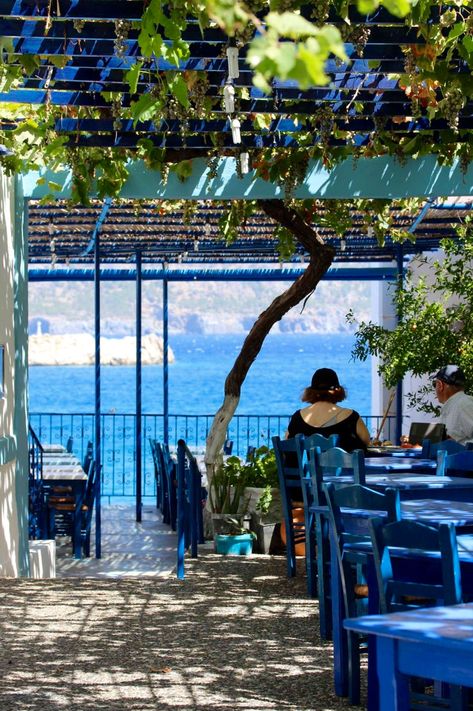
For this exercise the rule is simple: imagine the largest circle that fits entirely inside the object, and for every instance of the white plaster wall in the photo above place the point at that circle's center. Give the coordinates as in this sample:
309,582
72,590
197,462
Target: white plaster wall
8,509
383,313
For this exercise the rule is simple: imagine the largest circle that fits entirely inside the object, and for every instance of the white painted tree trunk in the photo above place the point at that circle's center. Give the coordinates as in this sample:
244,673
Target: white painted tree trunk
218,432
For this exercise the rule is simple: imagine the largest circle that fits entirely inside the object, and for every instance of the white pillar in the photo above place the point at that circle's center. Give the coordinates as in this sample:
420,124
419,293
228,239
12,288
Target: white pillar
9,517
384,314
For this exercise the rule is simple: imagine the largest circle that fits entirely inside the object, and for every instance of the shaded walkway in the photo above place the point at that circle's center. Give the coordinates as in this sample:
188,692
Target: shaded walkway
129,549
236,634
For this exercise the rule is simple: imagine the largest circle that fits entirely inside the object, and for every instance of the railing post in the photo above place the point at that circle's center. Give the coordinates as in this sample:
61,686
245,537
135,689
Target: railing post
98,513
165,358
138,388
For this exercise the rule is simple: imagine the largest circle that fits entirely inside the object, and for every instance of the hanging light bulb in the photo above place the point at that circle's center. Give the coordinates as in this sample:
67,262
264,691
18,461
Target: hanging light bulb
370,231
229,98
53,260
232,57
343,245
196,245
53,245
51,228
245,162
207,229
236,135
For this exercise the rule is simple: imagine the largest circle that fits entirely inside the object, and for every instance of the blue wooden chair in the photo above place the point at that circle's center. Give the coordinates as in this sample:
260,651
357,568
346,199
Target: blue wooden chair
349,528
412,584
332,462
170,479
61,510
321,444
431,449
190,530
459,464
288,454
158,473
88,456
228,446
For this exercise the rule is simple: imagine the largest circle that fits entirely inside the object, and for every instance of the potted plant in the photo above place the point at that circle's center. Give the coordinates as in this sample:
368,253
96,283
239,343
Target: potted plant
226,496
252,487
237,541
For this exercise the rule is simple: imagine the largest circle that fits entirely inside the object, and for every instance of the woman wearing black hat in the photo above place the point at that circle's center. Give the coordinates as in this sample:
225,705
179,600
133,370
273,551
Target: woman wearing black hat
325,417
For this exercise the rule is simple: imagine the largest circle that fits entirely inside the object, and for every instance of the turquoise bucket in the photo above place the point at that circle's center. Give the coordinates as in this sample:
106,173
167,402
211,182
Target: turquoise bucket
242,544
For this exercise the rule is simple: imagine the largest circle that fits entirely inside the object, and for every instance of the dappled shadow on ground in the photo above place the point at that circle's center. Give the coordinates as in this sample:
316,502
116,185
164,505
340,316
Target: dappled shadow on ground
235,634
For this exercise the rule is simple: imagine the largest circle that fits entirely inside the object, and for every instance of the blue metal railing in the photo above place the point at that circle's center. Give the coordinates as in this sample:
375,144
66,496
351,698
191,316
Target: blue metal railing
117,446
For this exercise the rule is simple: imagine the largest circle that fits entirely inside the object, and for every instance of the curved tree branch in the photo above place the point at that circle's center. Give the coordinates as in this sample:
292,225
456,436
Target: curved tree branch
320,258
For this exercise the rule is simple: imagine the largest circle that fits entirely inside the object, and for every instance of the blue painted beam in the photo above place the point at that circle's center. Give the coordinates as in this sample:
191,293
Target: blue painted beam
178,275
381,177
107,203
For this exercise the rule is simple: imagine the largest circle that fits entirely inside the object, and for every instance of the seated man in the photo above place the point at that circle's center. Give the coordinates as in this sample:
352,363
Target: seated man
457,406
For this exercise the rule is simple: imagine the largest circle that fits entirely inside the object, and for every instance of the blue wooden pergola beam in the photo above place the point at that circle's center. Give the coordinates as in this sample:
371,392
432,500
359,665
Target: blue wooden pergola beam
366,273
381,177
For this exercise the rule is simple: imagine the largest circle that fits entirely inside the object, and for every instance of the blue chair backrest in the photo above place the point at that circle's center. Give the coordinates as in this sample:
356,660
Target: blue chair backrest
89,455
228,446
307,447
288,454
431,449
189,505
340,500
337,462
351,526
401,587
318,440
460,464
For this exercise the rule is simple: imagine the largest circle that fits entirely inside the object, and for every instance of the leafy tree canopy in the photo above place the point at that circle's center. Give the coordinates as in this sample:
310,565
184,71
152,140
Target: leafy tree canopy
286,39
435,312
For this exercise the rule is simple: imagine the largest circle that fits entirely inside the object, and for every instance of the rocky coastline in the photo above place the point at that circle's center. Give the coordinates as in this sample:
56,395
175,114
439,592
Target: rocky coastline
79,349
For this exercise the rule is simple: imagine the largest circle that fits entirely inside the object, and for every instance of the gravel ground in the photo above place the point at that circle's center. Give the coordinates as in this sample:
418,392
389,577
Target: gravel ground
235,634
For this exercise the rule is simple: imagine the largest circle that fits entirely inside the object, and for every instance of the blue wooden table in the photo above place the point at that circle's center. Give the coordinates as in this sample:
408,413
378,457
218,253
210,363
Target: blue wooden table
413,465
410,487
434,643
393,451
427,511
74,478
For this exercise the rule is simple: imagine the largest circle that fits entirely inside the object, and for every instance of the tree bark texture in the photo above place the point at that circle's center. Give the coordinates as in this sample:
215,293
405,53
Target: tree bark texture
320,258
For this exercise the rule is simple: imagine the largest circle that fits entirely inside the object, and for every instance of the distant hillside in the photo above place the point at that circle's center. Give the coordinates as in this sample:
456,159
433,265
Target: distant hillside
194,307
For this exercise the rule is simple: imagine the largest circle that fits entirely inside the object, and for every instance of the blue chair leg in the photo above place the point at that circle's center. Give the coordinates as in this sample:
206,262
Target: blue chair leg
310,555
323,577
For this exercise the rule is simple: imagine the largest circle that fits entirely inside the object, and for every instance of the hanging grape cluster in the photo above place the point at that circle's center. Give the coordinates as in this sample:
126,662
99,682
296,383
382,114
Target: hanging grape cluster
320,11
451,105
197,95
359,36
122,30
324,119
116,109
295,173
78,25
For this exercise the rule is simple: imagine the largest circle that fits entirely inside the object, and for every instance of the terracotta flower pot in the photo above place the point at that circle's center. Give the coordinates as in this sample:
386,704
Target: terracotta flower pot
297,517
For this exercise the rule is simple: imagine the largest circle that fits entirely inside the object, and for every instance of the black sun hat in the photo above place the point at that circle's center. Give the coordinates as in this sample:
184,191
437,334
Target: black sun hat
324,379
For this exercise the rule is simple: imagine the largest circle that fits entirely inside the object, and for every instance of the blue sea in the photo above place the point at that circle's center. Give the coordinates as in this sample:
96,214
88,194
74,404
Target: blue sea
196,378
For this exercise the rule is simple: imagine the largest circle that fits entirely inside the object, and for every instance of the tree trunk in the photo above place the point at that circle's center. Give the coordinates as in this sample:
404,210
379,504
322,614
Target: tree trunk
321,257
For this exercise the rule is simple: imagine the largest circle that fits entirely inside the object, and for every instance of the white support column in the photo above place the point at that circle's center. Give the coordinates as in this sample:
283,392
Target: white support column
383,313
10,544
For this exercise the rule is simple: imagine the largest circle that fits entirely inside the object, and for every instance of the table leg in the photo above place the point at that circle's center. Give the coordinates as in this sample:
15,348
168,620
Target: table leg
339,635
393,686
